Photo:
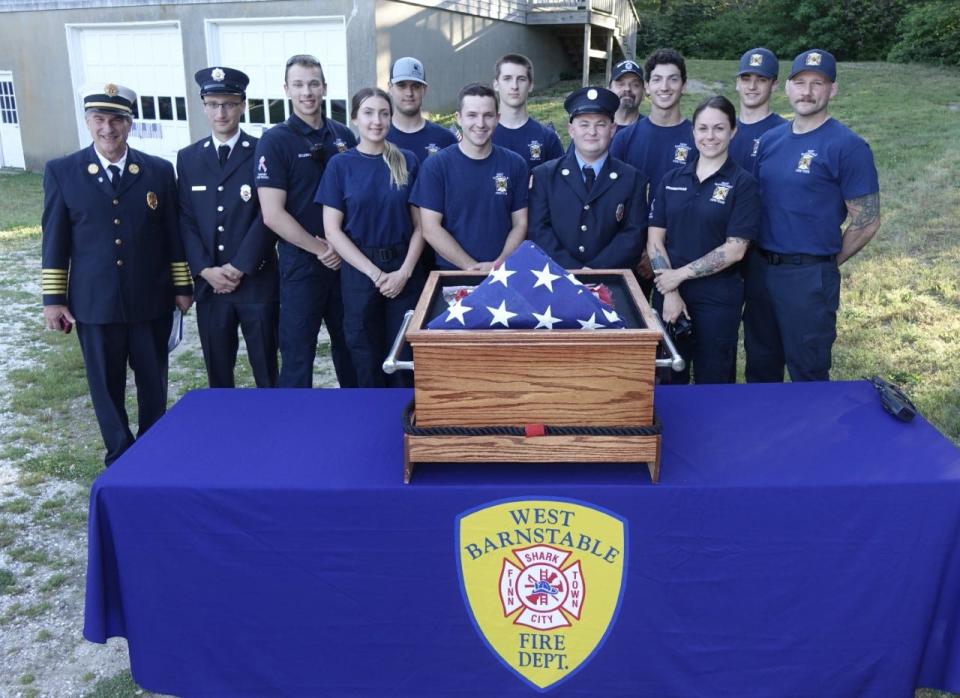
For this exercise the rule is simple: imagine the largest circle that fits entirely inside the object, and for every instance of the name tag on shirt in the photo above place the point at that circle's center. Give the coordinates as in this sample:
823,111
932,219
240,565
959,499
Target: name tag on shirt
669,188
198,187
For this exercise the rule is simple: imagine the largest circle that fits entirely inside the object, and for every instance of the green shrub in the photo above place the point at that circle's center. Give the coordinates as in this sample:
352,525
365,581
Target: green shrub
929,33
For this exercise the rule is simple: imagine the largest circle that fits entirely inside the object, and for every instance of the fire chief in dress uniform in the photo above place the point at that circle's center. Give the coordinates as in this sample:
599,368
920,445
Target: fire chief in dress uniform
113,263
232,254
588,209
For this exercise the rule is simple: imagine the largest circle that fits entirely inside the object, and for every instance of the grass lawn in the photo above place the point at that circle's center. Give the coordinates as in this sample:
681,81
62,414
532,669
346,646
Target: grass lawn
899,314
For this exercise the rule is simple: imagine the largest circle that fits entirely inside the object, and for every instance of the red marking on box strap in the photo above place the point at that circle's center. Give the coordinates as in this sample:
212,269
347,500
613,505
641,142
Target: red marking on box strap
534,430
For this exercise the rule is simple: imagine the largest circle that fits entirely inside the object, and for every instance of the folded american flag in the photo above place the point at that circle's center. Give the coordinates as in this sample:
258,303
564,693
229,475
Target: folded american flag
529,291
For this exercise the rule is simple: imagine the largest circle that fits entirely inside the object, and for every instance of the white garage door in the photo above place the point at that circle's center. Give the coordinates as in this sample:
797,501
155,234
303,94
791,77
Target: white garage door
147,58
260,48
11,146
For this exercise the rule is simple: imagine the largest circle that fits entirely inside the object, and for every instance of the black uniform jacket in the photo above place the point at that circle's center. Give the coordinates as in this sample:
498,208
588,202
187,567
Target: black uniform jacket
605,229
220,220
121,248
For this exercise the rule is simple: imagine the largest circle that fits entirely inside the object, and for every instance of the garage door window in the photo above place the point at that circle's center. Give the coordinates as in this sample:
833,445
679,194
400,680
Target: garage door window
8,103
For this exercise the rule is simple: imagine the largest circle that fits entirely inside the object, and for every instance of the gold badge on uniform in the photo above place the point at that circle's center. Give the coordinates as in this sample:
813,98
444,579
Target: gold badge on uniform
134,168
806,159
620,211
814,59
245,192
152,201
680,152
110,90
720,191
500,181
92,169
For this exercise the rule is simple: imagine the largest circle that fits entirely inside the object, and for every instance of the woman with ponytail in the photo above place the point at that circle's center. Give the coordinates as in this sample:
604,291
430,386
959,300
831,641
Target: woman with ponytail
367,218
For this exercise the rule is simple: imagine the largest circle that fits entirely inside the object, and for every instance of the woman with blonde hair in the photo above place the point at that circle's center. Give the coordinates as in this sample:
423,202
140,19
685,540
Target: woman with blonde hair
368,220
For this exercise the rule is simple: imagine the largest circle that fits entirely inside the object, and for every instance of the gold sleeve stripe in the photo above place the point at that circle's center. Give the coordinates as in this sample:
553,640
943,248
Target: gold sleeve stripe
54,273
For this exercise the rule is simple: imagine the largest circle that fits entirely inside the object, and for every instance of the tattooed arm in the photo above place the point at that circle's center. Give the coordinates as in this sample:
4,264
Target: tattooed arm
730,252
657,248
864,223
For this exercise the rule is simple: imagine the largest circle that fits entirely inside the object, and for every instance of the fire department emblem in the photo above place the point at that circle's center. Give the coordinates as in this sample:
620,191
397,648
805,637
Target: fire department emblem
535,149
110,90
134,168
680,153
218,74
756,59
814,58
341,145
432,149
543,581
245,192
152,201
92,169
720,191
806,159
500,182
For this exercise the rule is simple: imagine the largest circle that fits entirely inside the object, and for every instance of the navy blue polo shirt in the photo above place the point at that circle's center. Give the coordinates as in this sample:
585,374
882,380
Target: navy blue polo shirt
700,216
805,181
533,141
654,150
283,161
746,141
375,212
475,197
429,140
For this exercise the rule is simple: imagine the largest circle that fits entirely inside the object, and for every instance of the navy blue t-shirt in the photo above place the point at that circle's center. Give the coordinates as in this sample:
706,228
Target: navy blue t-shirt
283,161
533,141
375,212
700,216
429,140
743,147
475,197
805,181
654,150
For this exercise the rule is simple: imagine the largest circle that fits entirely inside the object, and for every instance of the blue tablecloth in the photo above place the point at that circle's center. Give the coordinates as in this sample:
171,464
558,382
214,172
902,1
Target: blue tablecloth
801,542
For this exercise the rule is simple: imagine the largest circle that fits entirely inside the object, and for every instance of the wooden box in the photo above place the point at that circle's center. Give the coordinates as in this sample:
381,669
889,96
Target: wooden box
560,378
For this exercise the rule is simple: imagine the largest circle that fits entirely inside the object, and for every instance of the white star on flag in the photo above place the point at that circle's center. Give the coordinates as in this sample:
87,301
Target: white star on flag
501,274
545,278
501,315
457,311
611,315
546,320
590,324
574,280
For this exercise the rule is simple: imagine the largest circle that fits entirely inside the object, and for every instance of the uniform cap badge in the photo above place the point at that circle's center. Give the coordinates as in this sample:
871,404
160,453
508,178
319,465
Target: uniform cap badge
134,168
756,59
93,169
814,58
245,192
218,74
152,200
591,94
110,90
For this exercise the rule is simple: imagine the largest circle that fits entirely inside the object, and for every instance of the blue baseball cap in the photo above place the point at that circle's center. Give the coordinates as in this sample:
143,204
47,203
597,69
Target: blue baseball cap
817,60
759,61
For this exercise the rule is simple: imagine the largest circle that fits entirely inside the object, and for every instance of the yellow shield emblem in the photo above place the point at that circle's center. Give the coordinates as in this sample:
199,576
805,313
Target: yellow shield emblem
543,581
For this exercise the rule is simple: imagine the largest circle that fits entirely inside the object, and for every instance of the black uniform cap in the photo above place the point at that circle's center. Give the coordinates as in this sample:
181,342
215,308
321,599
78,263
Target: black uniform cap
220,80
591,100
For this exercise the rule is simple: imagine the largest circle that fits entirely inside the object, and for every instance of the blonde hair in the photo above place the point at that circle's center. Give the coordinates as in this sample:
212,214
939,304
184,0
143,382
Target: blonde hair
396,163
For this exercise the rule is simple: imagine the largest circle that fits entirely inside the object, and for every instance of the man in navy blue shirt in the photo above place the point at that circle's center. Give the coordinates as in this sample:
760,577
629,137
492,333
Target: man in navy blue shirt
814,174
756,81
408,129
290,160
473,197
516,130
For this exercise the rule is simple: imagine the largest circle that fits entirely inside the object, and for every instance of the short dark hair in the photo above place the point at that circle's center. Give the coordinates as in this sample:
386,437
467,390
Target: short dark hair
477,89
516,58
717,102
664,56
307,61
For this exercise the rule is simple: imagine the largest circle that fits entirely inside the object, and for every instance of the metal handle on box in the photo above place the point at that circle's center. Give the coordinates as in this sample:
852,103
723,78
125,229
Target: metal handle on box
390,364
675,361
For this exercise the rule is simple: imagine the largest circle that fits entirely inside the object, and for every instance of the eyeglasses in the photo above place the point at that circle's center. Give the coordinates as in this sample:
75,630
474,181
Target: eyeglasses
225,106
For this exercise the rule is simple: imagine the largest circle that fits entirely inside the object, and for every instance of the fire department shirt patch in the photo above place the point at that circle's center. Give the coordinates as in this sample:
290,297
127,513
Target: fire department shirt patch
543,581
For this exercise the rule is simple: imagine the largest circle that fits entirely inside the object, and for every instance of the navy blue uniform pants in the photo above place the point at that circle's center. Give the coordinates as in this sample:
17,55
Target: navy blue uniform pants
371,322
107,349
790,319
715,304
217,324
310,296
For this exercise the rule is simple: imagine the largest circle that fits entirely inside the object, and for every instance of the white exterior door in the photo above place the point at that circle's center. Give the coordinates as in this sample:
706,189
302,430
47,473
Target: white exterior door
11,145
260,48
148,58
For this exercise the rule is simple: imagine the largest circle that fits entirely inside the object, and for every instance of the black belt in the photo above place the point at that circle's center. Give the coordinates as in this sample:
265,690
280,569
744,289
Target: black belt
384,254
777,258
